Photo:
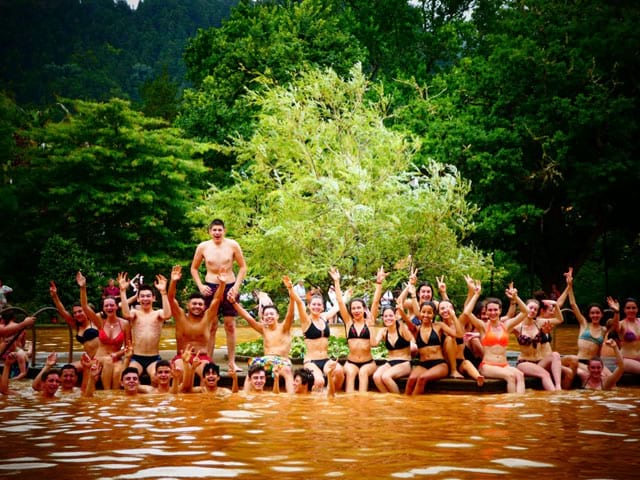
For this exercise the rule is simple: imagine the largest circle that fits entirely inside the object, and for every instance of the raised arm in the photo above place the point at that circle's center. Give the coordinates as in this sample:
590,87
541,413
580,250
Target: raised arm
615,306
53,291
84,302
375,304
294,302
473,294
574,305
612,379
49,363
344,313
91,370
244,314
4,380
176,275
161,286
512,294
442,288
123,283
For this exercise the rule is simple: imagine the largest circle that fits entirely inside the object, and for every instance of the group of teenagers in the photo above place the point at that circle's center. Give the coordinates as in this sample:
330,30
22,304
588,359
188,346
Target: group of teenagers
426,340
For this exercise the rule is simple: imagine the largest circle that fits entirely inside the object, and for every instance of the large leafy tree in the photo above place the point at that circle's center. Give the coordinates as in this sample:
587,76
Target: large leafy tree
109,179
275,39
543,120
323,182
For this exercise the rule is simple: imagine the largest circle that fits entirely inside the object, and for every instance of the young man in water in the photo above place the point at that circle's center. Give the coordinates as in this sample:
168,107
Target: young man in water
219,255
68,376
256,379
195,328
210,376
146,323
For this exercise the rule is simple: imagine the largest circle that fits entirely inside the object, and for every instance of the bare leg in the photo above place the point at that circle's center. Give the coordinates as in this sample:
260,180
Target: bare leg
451,352
363,376
467,367
513,376
107,373
434,373
351,372
534,370
230,330
631,366
338,377
378,380
397,371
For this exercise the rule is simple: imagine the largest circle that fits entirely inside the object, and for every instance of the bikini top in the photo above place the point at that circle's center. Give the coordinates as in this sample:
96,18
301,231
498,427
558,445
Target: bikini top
89,334
545,337
107,340
401,342
526,340
433,341
630,335
313,332
491,338
586,335
353,333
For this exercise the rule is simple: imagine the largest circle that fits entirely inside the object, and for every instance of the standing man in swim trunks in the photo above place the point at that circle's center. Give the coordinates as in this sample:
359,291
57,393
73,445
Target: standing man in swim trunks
194,327
146,323
219,255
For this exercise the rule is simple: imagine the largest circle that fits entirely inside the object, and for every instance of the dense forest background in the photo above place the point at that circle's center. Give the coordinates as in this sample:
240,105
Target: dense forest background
514,122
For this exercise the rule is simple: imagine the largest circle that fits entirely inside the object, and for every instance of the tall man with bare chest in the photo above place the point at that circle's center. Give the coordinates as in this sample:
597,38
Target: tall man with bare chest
219,255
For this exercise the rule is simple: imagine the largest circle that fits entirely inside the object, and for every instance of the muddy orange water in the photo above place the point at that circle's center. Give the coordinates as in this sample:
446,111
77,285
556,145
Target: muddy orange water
565,435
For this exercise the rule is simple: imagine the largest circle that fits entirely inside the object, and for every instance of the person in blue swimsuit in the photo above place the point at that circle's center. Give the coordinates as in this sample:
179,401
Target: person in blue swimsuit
360,363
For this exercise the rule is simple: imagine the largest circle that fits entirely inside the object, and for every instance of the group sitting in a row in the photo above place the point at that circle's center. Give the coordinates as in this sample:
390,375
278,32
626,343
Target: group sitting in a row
472,344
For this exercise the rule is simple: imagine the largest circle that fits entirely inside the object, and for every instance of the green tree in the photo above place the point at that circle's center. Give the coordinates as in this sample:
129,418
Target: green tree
322,182
160,97
542,119
275,39
116,183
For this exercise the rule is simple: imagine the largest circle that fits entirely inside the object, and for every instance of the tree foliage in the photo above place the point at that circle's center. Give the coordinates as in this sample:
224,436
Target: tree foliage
322,182
114,182
542,119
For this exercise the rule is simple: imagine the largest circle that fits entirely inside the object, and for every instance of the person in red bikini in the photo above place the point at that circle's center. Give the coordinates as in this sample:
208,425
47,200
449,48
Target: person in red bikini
114,335
494,336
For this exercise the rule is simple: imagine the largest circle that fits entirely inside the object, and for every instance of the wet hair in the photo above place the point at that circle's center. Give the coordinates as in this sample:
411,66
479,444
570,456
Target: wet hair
163,363
211,367
8,315
306,377
68,366
128,370
255,369
196,295
595,305
477,310
48,373
216,221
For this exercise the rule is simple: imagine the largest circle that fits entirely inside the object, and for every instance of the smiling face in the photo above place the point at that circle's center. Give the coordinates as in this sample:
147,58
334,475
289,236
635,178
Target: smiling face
595,368
444,309
493,311
425,294
196,307
630,309
316,306
68,379
269,316
50,384
532,308
130,382
258,380
427,313
595,314
109,306
146,298
163,375
78,314
388,317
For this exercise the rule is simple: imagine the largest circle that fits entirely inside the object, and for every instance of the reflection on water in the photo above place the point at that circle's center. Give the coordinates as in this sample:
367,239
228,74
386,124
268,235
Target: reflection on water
572,434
